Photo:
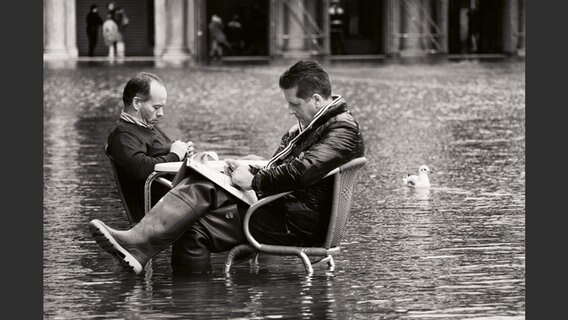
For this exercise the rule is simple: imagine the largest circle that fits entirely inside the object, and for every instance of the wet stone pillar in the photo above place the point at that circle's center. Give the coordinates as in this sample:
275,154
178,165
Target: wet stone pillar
159,27
411,17
176,39
296,42
442,22
511,27
392,31
71,29
54,29
522,29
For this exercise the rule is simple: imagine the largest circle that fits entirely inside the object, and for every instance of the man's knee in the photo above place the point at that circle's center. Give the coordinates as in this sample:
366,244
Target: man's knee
192,245
191,253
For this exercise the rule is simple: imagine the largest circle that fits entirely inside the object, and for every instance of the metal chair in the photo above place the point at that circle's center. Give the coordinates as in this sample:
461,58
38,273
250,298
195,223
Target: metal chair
119,187
160,170
345,178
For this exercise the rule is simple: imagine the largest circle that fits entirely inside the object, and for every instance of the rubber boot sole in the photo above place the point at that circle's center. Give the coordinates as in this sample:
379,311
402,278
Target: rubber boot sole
110,245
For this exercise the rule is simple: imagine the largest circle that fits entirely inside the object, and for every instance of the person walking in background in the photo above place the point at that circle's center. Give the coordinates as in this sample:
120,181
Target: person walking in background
473,29
336,14
218,38
118,14
110,35
235,34
94,21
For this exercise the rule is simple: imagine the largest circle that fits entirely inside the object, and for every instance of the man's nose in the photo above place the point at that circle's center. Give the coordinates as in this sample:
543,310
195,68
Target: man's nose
160,112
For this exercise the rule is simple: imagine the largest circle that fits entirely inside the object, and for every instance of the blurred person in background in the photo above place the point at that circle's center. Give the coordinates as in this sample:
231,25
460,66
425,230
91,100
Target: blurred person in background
94,21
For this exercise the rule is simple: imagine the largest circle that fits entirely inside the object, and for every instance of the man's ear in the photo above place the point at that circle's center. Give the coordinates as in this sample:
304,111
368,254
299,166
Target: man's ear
136,103
318,100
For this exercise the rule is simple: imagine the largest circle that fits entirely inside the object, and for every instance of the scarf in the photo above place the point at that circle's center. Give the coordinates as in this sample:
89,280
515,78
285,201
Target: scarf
132,119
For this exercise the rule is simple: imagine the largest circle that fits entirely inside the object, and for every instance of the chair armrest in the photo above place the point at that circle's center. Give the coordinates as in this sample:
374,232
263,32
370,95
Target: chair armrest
252,209
263,202
171,167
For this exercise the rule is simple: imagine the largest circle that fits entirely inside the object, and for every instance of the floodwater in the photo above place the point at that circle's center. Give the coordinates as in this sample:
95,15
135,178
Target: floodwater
455,251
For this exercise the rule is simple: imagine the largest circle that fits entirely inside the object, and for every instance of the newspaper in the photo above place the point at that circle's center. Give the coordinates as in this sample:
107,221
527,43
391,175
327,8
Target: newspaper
216,171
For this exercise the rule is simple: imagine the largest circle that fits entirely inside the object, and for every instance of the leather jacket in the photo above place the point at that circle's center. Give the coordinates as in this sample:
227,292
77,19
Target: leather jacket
333,139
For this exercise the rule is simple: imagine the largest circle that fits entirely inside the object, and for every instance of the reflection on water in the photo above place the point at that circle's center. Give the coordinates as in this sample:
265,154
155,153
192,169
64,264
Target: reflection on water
456,250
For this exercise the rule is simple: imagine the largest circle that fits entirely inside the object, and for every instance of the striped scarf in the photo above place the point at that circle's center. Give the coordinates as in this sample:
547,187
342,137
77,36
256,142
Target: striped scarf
286,151
132,119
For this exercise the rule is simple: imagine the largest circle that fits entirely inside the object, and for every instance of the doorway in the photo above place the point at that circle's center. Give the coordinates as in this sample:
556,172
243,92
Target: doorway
356,27
244,24
476,26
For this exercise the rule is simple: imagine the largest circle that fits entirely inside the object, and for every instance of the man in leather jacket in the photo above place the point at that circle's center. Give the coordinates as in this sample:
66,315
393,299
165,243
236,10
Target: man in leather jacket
325,137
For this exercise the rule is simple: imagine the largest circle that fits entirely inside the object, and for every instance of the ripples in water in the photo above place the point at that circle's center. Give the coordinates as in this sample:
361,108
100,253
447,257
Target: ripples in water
454,251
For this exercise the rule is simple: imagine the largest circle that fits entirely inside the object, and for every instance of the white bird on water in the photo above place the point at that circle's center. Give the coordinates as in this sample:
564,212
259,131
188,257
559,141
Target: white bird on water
418,181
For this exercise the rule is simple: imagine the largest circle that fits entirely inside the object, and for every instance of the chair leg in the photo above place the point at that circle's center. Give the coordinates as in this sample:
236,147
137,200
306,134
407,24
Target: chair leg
329,260
331,263
240,250
306,261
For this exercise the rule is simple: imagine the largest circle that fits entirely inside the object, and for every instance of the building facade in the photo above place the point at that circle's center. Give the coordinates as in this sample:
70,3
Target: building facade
272,29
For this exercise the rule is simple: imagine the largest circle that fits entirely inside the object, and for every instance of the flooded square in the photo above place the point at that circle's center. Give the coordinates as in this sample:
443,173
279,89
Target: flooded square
454,251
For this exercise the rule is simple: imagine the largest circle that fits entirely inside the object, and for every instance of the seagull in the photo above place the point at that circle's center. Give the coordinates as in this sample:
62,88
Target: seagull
418,181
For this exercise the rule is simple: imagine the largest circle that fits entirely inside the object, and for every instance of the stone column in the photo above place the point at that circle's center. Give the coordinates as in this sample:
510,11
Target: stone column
510,24
411,44
54,30
442,22
326,30
176,21
425,17
159,27
296,43
279,24
522,32
71,29
392,27
191,27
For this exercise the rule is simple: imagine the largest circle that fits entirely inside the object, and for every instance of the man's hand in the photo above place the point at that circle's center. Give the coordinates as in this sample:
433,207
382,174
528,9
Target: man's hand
240,174
180,148
189,148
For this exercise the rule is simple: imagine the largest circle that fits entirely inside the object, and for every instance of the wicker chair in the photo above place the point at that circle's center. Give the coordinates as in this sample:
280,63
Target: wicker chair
344,183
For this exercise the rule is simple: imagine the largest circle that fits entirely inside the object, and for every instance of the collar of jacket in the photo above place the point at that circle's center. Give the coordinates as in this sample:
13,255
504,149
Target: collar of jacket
337,106
132,119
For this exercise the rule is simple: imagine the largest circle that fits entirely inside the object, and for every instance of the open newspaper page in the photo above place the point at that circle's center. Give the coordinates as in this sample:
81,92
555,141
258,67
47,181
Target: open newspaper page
214,170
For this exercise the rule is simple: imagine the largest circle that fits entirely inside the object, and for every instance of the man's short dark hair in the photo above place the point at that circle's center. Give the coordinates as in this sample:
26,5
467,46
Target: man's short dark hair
308,77
139,86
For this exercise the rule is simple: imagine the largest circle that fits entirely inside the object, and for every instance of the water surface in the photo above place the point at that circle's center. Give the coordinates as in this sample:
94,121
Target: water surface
455,251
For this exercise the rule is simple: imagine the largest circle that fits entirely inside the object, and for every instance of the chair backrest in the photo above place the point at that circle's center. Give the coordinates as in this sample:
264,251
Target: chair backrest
344,184
118,186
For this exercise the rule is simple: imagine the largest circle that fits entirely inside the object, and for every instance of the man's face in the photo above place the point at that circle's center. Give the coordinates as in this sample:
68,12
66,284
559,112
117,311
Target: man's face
151,111
303,110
